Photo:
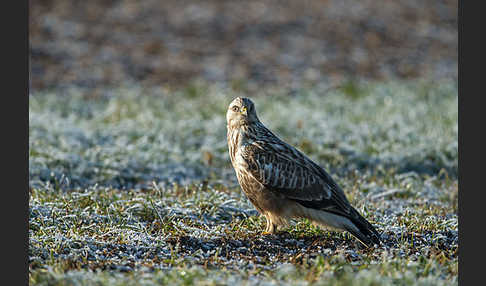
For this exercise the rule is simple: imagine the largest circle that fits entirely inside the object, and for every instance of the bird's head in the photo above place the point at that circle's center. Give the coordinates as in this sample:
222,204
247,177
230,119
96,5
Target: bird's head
241,111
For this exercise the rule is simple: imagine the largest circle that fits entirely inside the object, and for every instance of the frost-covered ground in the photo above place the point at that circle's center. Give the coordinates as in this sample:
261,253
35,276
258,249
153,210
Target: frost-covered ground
135,186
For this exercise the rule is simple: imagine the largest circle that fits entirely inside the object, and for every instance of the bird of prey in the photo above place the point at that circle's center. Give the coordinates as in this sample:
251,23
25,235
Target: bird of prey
282,183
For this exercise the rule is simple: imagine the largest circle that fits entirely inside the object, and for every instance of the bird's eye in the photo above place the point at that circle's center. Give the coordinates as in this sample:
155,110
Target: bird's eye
235,108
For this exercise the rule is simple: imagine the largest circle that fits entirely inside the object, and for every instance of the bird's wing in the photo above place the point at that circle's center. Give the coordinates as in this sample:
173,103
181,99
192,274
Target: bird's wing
286,171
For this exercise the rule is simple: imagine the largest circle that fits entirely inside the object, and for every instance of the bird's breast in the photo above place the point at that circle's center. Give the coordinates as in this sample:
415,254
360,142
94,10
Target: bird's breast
239,161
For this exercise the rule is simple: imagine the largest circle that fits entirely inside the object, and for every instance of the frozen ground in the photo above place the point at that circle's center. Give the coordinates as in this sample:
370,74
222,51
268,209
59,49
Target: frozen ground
135,187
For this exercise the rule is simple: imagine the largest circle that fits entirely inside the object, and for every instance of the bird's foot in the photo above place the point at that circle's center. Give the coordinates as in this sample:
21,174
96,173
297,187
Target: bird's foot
270,229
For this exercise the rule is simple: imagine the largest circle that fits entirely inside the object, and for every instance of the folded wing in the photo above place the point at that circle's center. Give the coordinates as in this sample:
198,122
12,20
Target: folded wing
288,172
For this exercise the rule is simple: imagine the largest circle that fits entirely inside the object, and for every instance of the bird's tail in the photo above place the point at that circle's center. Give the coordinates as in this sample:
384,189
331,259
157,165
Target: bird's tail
364,231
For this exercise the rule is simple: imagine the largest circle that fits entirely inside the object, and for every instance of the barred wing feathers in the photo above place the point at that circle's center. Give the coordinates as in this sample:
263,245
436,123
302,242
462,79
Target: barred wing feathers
289,173
286,171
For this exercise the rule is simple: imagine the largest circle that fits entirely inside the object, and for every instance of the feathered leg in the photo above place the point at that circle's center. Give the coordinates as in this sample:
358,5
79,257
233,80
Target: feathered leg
270,228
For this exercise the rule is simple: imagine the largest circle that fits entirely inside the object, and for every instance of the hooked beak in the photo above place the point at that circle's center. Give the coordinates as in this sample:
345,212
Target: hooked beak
243,110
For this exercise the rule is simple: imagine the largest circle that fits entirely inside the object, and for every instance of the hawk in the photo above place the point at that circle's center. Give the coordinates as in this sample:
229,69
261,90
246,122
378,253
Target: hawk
282,183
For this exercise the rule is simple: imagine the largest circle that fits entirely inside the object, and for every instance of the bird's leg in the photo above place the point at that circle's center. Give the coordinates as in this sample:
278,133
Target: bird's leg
270,229
267,226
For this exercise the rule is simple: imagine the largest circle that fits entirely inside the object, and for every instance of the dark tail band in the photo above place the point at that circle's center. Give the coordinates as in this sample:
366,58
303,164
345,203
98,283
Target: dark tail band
367,233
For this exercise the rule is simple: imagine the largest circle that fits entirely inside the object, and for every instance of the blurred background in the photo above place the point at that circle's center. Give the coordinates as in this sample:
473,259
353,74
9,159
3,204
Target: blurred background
93,44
